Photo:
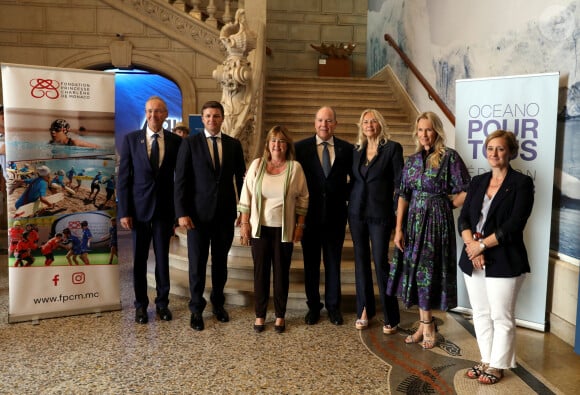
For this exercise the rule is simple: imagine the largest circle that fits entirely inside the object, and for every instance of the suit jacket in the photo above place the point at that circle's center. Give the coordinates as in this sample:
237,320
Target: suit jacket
507,217
372,196
199,193
141,193
328,196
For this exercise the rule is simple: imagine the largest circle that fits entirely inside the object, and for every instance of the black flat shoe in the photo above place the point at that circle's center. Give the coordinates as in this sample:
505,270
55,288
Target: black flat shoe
259,328
197,322
335,317
280,328
141,315
164,314
312,317
221,314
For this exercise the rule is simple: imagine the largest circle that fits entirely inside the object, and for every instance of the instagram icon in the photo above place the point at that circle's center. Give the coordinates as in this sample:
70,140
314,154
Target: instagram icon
78,278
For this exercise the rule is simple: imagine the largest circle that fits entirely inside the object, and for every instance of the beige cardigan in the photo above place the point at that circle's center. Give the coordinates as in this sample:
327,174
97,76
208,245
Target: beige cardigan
295,197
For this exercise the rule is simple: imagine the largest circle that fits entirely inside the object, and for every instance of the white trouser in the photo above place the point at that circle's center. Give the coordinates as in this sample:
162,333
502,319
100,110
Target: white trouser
493,300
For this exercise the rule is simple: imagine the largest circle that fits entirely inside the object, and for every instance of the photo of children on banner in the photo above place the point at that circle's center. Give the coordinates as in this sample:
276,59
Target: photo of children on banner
36,199
48,248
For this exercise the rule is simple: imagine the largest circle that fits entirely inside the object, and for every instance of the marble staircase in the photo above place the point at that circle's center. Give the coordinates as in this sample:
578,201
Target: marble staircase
293,102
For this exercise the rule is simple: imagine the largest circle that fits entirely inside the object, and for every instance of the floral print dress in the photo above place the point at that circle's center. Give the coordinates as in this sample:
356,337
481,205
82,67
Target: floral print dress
425,273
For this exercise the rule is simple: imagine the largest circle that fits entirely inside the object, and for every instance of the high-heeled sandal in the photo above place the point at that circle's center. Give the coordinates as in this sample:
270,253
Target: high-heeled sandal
491,376
429,340
476,371
416,337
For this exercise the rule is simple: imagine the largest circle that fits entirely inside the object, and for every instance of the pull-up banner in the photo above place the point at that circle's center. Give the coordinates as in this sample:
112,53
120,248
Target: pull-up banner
60,155
526,105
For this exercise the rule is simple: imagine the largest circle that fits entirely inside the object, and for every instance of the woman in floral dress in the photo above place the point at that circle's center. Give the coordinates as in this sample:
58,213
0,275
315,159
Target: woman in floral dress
423,272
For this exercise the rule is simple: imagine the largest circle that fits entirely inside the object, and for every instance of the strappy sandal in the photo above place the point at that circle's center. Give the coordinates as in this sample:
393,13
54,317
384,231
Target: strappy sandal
491,376
476,371
416,337
429,340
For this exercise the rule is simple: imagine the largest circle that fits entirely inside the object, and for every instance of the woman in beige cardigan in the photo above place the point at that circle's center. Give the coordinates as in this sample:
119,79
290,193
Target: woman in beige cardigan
273,204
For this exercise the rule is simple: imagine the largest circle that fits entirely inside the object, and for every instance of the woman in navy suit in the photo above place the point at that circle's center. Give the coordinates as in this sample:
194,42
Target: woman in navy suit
494,260
376,173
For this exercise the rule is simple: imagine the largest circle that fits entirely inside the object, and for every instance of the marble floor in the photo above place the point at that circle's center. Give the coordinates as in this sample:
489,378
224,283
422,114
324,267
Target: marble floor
109,354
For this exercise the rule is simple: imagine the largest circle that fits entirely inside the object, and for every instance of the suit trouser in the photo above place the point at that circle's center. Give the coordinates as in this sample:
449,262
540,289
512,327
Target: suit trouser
379,235
219,235
269,251
159,230
330,240
493,300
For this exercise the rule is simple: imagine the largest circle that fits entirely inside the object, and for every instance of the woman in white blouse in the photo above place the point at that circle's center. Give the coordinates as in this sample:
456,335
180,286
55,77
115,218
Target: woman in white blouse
273,205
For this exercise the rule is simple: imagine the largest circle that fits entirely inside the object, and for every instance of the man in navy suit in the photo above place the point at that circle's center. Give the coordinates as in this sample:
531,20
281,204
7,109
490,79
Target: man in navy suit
208,163
145,193
327,177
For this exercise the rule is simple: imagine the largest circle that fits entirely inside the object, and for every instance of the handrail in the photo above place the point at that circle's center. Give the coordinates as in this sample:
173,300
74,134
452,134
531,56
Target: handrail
432,92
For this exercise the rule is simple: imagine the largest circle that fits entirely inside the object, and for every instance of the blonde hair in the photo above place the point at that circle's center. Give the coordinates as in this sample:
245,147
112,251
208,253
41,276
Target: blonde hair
281,131
439,145
361,139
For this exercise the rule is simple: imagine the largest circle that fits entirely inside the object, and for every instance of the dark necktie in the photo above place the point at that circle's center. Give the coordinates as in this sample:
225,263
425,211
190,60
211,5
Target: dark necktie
325,159
154,158
216,155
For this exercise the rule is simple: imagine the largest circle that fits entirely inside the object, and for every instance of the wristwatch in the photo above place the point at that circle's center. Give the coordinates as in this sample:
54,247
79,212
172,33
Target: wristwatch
482,245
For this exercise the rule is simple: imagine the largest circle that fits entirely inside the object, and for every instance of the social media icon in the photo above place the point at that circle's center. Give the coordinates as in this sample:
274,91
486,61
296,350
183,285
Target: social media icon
55,279
78,278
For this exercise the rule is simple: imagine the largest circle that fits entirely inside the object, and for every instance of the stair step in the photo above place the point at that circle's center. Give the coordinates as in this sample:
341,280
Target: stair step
293,102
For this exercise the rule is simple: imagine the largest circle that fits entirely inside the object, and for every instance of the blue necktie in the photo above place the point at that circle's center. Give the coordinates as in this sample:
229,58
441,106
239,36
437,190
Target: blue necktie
216,156
325,159
154,158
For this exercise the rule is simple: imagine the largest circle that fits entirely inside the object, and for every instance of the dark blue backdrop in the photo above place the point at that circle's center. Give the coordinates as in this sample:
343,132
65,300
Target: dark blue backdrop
132,89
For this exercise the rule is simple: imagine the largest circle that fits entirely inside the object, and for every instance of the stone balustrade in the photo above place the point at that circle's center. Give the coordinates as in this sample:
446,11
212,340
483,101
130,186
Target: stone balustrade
215,13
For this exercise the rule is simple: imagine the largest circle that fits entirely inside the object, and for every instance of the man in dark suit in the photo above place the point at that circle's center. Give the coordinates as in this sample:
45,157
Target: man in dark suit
327,163
205,204
145,190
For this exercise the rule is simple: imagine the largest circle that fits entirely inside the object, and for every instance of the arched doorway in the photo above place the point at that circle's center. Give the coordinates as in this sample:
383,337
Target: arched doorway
132,89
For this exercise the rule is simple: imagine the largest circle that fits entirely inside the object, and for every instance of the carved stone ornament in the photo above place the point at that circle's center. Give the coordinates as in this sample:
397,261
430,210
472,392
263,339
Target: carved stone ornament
121,53
341,50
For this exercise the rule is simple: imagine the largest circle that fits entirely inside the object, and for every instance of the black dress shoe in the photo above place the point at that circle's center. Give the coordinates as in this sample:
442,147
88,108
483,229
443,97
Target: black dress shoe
312,317
197,321
164,313
335,317
280,328
221,314
141,315
259,328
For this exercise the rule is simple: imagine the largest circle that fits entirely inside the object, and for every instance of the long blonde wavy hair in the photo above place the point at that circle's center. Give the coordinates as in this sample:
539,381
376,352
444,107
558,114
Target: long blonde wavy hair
439,146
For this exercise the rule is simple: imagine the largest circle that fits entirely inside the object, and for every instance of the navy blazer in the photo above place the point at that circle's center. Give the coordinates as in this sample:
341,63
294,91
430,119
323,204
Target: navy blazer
327,195
373,195
141,193
199,193
509,211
